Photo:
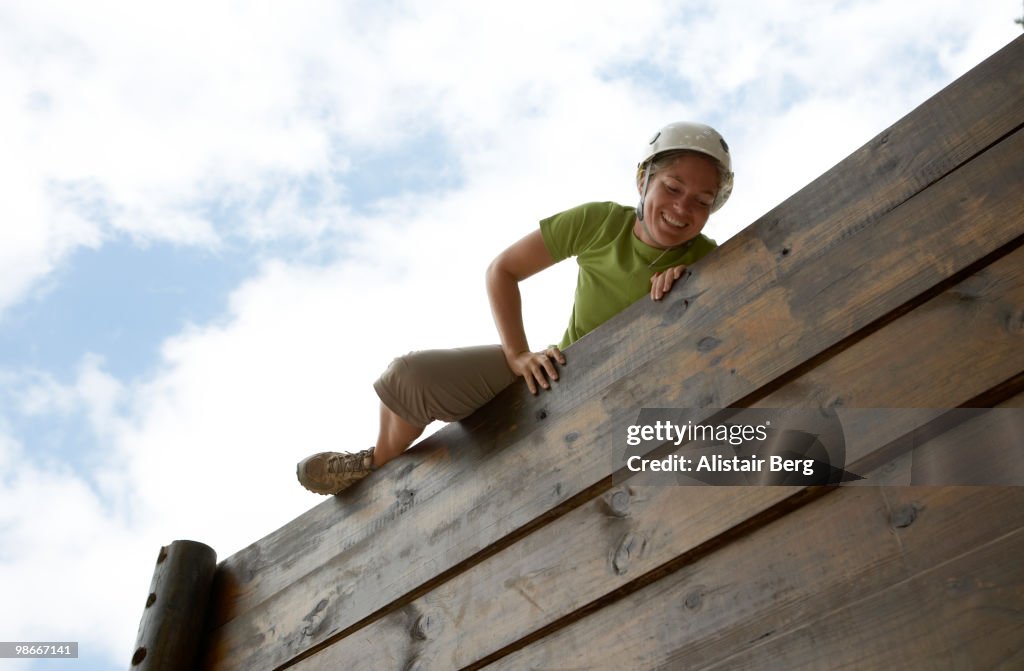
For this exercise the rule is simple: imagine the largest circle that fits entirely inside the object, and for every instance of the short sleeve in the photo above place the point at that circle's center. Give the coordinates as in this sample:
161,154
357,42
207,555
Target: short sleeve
573,231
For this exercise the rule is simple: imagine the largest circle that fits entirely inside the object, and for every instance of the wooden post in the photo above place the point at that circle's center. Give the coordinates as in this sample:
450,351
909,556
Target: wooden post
172,624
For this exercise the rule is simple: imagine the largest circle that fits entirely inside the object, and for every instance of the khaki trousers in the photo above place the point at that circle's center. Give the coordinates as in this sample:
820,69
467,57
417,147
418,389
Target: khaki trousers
444,384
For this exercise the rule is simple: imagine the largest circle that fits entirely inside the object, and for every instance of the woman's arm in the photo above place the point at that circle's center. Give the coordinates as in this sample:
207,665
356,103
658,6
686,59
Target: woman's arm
526,257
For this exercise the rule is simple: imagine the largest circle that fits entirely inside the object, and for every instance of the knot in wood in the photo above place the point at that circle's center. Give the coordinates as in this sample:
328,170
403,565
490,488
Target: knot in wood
405,497
618,502
151,599
675,310
542,414
708,343
416,664
694,600
630,545
314,619
904,516
973,288
1015,323
424,627
706,401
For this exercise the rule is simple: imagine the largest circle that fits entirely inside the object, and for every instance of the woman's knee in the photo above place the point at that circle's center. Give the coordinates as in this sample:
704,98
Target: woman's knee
447,384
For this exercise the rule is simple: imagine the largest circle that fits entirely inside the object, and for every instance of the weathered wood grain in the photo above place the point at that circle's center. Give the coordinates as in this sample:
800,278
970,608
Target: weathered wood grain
992,460
964,614
962,120
848,581
534,582
779,323
960,343
531,585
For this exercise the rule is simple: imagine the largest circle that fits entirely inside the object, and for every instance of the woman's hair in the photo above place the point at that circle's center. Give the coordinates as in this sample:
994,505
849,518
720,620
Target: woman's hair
662,161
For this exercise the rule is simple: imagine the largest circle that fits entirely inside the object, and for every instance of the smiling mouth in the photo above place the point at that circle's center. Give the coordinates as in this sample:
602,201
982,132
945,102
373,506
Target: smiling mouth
673,223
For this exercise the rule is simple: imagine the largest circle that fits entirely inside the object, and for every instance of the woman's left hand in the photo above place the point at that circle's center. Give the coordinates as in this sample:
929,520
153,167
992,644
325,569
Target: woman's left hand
662,282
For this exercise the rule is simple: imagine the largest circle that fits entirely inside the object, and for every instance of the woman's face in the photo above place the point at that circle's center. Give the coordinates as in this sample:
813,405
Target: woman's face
679,200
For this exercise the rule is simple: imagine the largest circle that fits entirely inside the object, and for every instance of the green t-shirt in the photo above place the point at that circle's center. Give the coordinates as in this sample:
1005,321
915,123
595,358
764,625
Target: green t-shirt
615,266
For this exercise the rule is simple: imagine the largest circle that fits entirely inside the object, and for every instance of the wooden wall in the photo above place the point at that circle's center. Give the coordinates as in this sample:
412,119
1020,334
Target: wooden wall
894,280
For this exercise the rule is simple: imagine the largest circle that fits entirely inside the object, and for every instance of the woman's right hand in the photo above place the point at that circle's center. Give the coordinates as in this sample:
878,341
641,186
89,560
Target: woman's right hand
537,367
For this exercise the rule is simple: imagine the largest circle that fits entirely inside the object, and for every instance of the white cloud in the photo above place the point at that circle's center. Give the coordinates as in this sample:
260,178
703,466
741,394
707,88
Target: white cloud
61,543
95,394
9,449
133,120
125,119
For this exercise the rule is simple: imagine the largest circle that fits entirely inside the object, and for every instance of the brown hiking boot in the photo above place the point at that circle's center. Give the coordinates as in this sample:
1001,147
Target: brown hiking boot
331,472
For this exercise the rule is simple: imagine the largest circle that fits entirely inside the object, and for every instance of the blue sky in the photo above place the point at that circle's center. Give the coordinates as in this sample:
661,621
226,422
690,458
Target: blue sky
119,301
220,225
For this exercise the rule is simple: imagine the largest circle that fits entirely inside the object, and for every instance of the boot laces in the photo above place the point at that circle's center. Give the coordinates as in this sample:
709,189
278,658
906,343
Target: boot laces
349,463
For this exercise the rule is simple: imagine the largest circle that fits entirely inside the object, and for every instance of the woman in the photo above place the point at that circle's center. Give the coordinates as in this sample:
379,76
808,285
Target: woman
623,253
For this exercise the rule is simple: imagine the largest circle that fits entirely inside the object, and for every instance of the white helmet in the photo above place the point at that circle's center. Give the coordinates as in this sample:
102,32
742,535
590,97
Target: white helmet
697,137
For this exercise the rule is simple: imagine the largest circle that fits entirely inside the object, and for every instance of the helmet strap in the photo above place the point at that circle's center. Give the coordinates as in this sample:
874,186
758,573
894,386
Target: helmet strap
643,197
640,210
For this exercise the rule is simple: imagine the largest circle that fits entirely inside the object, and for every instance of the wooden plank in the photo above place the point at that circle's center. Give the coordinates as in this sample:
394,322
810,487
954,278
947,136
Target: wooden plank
987,449
826,571
977,323
961,615
562,455
966,117
530,585
997,462
534,583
